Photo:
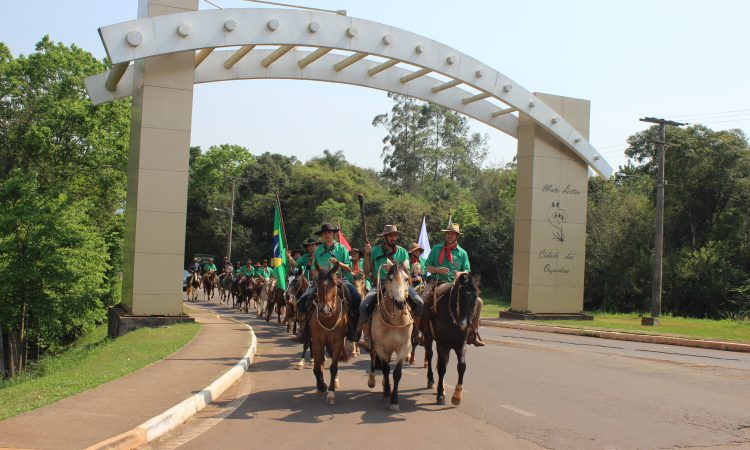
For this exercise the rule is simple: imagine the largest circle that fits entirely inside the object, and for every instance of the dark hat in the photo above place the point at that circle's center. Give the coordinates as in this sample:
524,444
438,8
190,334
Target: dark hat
326,227
454,227
265,261
388,229
354,249
415,246
257,264
310,241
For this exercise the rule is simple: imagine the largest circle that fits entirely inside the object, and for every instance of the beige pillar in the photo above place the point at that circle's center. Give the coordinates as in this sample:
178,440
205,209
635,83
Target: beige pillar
156,205
550,224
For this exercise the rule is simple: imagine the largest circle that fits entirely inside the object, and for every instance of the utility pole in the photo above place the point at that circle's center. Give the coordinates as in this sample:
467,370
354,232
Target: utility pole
659,232
231,219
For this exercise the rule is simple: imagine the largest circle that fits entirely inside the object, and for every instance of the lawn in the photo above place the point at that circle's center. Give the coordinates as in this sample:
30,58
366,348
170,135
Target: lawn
493,303
726,330
91,361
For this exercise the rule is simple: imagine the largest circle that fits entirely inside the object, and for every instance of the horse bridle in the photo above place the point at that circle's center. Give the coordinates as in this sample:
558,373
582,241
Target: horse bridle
316,302
393,313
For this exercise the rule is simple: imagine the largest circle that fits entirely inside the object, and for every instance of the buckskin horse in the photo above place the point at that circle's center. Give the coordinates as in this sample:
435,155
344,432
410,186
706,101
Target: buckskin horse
391,332
209,284
450,328
328,325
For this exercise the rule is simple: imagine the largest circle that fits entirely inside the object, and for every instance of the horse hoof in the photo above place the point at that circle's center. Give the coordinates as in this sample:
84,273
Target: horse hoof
300,365
371,381
441,401
456,400
336,383
425,365
330,398
394,408
411,360
430,385
458,394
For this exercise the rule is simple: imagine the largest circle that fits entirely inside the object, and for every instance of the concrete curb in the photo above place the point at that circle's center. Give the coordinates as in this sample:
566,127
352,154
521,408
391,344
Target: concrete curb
176,415
616,335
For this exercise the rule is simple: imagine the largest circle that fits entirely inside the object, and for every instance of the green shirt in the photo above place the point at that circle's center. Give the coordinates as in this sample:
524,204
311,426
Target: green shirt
247,271
209,267
378,258
265,273
460,262
303,261
338,251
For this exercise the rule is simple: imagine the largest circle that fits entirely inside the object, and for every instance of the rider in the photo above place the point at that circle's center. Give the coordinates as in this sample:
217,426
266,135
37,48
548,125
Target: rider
417,276
228,268
265,271
446,262
209,267
247,270
354,254
306,260
328,255
195,266
383,257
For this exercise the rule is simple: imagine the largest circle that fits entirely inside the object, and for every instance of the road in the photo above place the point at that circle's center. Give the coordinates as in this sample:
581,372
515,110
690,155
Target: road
523,390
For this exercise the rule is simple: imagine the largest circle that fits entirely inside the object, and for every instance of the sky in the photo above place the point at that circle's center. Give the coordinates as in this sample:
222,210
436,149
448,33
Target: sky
682,60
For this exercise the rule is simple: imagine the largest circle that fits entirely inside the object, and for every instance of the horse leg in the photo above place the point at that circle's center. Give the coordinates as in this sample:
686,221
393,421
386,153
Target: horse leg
331,396
385,366
394,395
319,362
442,361
458,393
428,362
371,375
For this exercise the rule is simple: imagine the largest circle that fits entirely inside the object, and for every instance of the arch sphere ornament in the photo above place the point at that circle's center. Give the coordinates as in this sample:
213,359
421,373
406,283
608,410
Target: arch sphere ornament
552,131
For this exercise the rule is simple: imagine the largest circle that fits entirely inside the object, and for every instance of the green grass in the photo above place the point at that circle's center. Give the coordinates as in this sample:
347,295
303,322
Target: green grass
493,303
91,361
725,330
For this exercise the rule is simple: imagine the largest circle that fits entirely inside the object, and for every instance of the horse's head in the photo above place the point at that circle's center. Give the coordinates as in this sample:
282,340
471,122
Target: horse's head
397,285
326,294
360,283
468,291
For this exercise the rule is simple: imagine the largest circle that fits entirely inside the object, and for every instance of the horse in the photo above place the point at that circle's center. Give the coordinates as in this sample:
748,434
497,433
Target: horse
194,282
328,326
209,283
275,299
225,287
449,328
261,296
391,332
296,286
360,284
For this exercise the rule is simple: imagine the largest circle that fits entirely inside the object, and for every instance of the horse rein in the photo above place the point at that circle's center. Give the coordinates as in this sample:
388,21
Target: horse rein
340,308
382,308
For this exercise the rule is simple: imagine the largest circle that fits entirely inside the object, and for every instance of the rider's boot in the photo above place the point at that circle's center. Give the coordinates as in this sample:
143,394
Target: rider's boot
365,342
474,337
417,337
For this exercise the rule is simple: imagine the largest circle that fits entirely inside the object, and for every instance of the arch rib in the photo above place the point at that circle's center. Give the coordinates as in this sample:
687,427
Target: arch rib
337,32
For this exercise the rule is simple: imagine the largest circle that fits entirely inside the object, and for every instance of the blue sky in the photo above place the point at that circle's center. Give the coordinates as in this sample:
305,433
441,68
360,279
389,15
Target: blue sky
683,60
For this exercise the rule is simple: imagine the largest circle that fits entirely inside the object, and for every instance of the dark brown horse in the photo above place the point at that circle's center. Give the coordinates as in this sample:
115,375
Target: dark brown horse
449,328
297,286
210,280
194,282
275,300
328,326
243,293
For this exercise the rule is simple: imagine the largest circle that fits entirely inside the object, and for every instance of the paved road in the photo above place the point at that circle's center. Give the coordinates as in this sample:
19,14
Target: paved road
523,390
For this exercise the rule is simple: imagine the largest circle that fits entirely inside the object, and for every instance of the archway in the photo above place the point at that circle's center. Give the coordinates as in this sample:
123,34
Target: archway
172,47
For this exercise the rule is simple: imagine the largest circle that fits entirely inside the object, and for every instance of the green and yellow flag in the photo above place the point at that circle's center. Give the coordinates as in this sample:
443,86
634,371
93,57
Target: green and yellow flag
279,249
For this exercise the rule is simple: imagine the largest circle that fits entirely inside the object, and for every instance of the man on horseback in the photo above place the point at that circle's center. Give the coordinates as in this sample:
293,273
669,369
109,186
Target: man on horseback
306,260
209,266
448,261
195,266
264,271
383,257
328,255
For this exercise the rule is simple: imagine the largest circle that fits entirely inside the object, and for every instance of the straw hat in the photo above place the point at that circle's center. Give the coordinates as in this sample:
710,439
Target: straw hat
389,229
415,246
454,227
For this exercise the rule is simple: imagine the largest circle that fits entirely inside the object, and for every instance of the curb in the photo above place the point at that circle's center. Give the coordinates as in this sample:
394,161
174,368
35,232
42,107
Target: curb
176,415
620,336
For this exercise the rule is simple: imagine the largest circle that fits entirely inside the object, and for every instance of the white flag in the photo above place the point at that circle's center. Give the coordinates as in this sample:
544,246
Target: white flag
424,241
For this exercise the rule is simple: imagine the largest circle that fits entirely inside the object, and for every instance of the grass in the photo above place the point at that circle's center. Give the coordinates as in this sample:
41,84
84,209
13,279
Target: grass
493,303
92,360
725,330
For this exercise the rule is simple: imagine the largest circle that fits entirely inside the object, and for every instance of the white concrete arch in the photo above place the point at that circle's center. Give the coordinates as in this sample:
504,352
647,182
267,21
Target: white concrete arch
204,31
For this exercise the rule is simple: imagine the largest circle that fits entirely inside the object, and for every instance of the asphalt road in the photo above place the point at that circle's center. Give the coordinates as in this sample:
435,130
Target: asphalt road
523,390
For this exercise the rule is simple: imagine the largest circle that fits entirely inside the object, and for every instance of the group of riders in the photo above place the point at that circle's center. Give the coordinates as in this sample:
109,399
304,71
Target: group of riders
446,262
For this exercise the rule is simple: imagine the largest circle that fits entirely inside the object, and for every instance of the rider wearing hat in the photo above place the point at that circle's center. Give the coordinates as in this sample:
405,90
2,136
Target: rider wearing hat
195,266
265,271
247,270
306,260
383,257
327,256
446,262
209,266
417,275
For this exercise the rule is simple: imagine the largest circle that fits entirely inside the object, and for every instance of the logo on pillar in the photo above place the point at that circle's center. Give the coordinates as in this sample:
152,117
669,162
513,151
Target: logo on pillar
557,217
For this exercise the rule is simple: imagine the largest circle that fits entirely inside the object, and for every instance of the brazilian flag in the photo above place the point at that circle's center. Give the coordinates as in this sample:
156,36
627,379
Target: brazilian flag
279,250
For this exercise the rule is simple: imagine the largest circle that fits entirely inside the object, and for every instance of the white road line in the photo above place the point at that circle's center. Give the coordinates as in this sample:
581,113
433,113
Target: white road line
512,408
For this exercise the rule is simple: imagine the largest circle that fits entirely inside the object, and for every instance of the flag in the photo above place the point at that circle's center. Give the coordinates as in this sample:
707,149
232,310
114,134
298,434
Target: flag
279,250
424,241
342,240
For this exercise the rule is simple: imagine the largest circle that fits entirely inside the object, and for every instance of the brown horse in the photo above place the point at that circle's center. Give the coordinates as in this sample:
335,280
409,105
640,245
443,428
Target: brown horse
194,282
210,280
391,332
296,286
245,287
275,300
450,329
328,326
360,284
260,295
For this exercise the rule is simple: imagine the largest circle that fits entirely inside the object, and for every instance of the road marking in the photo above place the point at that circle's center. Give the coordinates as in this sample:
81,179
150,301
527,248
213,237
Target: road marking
512,408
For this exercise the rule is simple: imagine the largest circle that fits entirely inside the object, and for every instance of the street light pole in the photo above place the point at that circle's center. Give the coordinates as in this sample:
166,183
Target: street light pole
231,220
656,285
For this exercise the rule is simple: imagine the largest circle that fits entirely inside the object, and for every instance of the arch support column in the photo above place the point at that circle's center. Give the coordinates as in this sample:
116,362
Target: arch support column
550,224
158,164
